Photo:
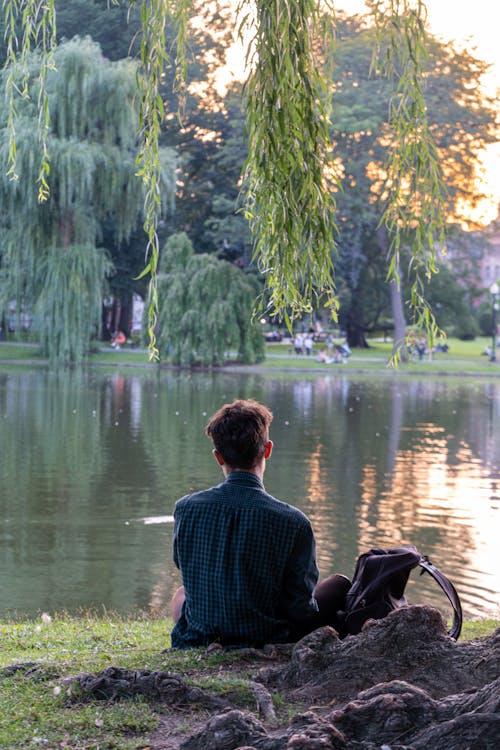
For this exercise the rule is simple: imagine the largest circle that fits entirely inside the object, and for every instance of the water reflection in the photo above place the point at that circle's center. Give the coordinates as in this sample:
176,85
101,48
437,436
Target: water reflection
91,466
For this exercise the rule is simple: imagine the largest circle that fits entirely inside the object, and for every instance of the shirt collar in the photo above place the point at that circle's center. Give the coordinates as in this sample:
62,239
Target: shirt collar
244,477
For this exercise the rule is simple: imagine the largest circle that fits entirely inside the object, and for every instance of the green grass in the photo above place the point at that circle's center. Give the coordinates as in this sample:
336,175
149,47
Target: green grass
464,357
38,709
19,352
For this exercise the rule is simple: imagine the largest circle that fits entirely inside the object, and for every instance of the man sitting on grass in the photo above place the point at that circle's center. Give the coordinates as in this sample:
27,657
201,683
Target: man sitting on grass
247,560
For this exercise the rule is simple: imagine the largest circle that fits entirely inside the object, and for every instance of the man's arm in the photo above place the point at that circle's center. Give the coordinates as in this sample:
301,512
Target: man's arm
175,540
297,600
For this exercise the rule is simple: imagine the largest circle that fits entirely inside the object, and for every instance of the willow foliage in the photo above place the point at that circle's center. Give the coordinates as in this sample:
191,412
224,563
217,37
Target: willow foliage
415,204
93,140
205,307
38,25
288,201
289,183
68,307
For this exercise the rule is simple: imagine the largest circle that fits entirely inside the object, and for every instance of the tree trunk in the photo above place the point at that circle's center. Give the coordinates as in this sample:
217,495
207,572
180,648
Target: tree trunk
399,321
355,336
398,314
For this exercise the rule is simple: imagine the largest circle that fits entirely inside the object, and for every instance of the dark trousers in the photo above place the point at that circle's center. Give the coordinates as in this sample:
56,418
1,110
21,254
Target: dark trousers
330,594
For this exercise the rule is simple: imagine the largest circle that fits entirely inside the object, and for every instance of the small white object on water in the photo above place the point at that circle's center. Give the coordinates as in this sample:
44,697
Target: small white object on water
148,520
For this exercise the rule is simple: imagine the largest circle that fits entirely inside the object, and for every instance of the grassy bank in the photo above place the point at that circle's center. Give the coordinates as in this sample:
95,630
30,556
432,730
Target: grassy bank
463,358
39,709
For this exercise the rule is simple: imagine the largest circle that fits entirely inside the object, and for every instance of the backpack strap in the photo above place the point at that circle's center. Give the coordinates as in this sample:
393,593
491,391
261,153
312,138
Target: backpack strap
450,591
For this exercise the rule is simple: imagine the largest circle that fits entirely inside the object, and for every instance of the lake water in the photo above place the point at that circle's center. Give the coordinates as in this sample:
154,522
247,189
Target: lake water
92,463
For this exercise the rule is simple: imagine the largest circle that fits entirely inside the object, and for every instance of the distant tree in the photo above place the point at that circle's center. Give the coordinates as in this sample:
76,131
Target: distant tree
114,27
461,119
205,307
53,256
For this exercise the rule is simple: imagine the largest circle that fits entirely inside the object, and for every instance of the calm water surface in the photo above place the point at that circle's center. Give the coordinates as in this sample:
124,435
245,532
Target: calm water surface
91,466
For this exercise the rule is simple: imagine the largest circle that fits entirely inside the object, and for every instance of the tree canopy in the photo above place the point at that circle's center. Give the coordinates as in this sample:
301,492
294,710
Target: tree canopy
290,169
52,254
461,120
205,307
288,199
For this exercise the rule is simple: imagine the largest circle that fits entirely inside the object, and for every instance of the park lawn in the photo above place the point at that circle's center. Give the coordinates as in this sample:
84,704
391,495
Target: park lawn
37,708
14,352
463,357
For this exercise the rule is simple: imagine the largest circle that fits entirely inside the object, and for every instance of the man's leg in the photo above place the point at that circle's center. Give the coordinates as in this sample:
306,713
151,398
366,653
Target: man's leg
177,602
330,595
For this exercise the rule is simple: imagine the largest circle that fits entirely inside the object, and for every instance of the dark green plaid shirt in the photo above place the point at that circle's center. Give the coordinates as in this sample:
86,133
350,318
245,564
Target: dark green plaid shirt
248,566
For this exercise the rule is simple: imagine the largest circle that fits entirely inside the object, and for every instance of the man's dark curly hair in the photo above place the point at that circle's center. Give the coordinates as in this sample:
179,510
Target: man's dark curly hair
240,432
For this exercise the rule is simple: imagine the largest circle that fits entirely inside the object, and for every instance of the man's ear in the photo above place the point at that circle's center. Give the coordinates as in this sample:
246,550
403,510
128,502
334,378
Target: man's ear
269,449
218,457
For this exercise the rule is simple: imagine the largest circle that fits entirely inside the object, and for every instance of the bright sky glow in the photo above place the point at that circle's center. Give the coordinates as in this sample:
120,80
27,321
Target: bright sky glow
473,24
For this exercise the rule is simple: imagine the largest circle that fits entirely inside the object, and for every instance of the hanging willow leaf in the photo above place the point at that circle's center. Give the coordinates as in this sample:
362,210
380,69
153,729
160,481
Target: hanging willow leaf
288,202
38,30
153,56
415,212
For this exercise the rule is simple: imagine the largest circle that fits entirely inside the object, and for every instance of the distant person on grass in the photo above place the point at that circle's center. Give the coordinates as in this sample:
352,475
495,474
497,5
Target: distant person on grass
247,560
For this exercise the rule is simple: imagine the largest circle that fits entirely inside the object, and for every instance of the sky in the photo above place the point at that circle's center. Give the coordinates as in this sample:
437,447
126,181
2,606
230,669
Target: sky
474,24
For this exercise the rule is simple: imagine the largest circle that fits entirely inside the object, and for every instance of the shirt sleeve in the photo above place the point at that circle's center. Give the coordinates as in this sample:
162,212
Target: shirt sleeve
298,603
175,540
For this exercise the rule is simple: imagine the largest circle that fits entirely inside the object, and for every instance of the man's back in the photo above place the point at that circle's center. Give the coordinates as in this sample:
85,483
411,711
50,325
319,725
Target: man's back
248,565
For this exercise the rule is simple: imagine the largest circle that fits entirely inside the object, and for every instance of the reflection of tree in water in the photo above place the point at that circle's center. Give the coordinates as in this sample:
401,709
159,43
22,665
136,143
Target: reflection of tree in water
379,463
50,426
422,500
86,456
124,491
51,450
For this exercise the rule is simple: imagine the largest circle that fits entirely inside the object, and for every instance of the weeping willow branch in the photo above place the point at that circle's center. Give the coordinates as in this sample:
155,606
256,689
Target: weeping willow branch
46,35
11,10
179,13
415,207
153,55
287,200
38,24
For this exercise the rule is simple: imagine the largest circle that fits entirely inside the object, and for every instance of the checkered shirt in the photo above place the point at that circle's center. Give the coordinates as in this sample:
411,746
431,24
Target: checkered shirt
248,566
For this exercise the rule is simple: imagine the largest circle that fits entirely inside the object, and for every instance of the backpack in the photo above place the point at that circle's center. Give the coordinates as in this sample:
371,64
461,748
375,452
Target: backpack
378,584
